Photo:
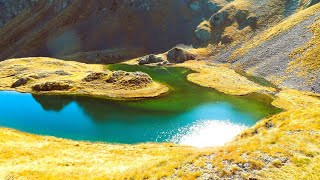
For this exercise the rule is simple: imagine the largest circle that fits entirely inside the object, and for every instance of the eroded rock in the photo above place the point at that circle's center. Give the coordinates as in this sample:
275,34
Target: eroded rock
52,86
129,78
149,59
179,55
95,76
20,82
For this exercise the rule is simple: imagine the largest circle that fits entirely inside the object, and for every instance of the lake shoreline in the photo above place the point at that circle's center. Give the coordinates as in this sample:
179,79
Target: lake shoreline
167,160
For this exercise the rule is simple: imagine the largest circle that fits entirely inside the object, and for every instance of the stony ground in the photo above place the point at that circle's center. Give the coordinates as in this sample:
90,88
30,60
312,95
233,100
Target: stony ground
269,54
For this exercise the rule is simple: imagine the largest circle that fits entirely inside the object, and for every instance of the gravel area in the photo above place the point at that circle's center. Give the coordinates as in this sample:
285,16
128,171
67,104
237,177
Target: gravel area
270,59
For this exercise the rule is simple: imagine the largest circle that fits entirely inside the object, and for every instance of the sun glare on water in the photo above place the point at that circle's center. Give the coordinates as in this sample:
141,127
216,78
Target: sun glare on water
208,133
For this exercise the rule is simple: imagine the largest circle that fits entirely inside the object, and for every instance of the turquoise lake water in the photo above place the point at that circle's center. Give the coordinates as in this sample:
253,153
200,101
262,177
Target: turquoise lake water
189,114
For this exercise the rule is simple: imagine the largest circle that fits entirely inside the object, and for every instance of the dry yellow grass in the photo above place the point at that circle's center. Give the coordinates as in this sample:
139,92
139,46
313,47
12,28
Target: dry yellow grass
222,79
276,30
26,156
43,70
292,99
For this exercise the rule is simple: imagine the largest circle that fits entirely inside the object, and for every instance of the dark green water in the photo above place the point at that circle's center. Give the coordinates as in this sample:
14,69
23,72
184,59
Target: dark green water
189,114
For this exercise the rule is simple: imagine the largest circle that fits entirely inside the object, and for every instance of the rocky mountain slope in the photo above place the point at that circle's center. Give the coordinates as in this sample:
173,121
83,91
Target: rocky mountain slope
286,54
60,28
95,25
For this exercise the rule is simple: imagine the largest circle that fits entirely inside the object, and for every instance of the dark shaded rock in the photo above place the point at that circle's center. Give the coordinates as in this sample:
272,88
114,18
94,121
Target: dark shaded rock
94,76
203,34
241,16
203,31
52,86
150,59
20,82
178,55
252,21
163,63
226,39
219,18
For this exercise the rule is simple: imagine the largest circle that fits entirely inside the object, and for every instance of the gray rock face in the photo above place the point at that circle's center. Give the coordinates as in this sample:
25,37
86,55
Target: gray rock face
12,8
273,57
149,59
178,55
203,33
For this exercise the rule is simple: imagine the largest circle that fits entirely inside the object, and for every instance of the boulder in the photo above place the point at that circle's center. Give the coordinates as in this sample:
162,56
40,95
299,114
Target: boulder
178,55
20,82
52,86
94,76
149,59
129,78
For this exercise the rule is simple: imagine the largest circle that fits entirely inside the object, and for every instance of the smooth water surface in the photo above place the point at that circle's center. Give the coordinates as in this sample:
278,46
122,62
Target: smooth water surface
190,114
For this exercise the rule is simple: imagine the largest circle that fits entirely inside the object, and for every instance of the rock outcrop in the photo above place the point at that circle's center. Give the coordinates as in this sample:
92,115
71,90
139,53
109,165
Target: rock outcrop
203,31
149,59
130,79
20,82
179,55
52,86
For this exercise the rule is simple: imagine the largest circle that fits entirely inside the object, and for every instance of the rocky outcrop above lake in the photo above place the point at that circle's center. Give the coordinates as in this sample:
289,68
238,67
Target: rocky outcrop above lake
52,76
173,56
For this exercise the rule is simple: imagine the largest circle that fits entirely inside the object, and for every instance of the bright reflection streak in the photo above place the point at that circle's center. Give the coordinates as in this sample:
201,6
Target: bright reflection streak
207,133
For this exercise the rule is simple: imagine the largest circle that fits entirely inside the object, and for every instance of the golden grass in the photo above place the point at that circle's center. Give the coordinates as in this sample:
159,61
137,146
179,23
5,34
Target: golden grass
38,157
276,30
222,79
13,69
291,99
